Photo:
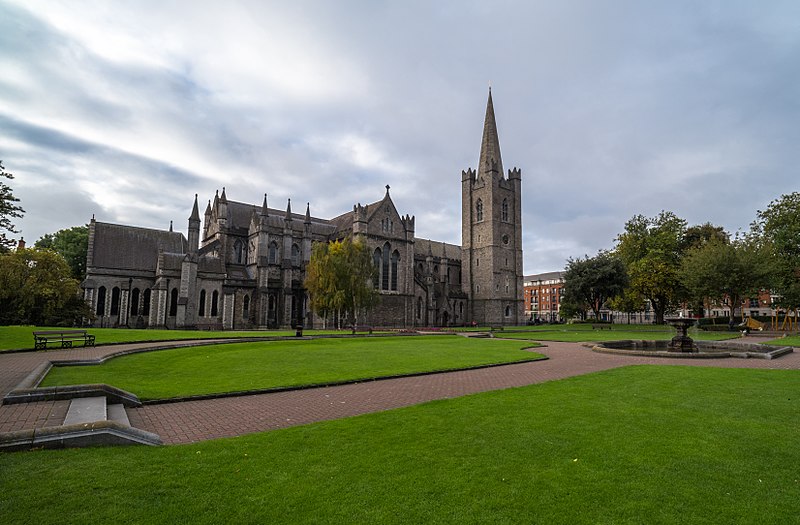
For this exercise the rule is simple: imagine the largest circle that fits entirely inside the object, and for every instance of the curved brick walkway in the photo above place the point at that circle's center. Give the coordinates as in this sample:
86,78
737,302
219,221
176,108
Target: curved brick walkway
191,421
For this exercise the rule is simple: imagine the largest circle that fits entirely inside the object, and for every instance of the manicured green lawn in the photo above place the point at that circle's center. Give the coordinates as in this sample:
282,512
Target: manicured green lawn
645,444
790,340
21,337
250,366
573,334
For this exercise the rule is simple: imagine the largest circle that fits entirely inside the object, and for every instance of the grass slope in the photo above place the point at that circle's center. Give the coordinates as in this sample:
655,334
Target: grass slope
634,445
249,366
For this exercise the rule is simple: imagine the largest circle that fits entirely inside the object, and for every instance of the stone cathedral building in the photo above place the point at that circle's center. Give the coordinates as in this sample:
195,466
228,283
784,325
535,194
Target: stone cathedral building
242,265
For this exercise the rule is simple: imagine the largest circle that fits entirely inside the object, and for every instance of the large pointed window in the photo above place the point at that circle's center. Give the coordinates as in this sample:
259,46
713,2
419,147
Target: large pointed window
295,255
202,306
395,261
238,252
479,210
273,253
387,267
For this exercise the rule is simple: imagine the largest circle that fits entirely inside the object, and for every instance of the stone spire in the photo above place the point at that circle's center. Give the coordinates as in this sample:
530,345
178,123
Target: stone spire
490,160
288,216
195,212
224,199
264,209
308,213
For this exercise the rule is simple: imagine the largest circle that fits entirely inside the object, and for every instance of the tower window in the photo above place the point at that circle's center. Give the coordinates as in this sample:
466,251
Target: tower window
504,212
479,210
238,252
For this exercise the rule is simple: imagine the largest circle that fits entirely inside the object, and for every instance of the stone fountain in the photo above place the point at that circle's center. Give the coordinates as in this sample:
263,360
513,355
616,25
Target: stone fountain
681,342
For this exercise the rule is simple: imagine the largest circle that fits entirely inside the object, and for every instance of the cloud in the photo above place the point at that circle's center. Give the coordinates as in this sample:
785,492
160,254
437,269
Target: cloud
610,109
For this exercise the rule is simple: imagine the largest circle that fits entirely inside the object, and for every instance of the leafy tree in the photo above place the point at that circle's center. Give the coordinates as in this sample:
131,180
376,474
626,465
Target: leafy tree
36,288
630,302
700,234
339,279
72,244
594,280
651,249
720,270
778,230
8,210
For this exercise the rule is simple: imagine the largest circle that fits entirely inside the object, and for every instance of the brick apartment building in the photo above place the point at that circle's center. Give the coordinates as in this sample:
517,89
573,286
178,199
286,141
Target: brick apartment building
542,295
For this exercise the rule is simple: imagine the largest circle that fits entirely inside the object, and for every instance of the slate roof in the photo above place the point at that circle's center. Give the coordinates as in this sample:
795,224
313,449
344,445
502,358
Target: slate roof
437,249
131,248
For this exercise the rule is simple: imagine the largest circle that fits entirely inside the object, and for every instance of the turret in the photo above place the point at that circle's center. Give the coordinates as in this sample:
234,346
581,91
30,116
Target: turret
194,228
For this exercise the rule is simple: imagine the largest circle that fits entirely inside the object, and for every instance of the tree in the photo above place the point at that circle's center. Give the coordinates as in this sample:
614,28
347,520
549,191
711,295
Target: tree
594,280
36,288
72,244
630,302
339,279
8,210
778,230
720,270
651,249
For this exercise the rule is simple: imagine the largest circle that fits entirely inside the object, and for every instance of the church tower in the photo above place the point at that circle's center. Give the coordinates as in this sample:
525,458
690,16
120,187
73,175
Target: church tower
491,234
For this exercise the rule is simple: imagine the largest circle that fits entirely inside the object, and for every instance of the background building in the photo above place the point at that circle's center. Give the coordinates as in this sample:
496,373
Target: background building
542,296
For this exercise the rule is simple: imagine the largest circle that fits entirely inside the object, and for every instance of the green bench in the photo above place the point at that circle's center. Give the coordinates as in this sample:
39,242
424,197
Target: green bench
63,337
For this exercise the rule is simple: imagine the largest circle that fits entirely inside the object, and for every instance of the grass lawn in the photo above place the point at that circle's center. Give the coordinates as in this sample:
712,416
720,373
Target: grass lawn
789,340
21,337
577,334
250,366
643,444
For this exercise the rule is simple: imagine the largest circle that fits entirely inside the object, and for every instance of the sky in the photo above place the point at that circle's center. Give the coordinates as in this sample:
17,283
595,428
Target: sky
125,110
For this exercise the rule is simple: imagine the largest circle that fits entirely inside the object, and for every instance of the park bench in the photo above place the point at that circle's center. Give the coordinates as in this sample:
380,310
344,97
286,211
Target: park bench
64,337
360,328
601,327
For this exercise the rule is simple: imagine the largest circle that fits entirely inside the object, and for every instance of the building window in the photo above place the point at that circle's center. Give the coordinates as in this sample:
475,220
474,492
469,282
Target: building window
419,307
101,301
385,270
115,301
295,255
504,212
376,259
395,261
146,302
246,307
202,311
273,253
508,311
135,302
479,210
214,303
173,303
238,252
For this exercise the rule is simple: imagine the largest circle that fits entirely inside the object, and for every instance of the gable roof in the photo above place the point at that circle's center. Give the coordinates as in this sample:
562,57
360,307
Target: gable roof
132,248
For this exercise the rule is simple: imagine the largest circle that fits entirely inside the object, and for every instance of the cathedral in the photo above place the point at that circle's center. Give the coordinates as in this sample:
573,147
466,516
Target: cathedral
243,265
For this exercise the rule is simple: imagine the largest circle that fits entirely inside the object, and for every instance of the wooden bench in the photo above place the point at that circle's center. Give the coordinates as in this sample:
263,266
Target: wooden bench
601,327
358,328
64,337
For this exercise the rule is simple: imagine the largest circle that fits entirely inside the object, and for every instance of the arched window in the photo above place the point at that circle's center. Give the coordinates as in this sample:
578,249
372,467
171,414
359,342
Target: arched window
214,301
146,302
504,212
246,307
376,259
385,267
295,255
202,306
420,268
395,261
273,252
135,302
508,311
115,301
101,301
419,307
238,252
479,210
173,303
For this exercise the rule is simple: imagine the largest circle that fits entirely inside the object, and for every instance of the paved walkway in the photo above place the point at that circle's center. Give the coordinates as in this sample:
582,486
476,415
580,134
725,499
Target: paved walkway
191,421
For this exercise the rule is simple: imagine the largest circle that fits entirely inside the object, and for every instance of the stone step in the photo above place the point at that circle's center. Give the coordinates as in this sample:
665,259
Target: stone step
117,413
86,410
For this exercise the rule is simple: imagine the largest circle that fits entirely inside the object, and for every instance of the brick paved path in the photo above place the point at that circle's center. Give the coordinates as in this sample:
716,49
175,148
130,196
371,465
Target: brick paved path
191,421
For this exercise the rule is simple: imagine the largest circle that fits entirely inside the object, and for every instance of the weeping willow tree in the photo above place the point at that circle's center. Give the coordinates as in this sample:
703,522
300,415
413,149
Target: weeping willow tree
339,280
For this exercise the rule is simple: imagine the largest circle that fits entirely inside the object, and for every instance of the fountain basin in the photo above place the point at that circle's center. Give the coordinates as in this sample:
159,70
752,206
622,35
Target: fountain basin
704,349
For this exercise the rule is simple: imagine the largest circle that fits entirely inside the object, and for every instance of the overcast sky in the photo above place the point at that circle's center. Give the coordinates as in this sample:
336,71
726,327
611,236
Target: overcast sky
125,110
